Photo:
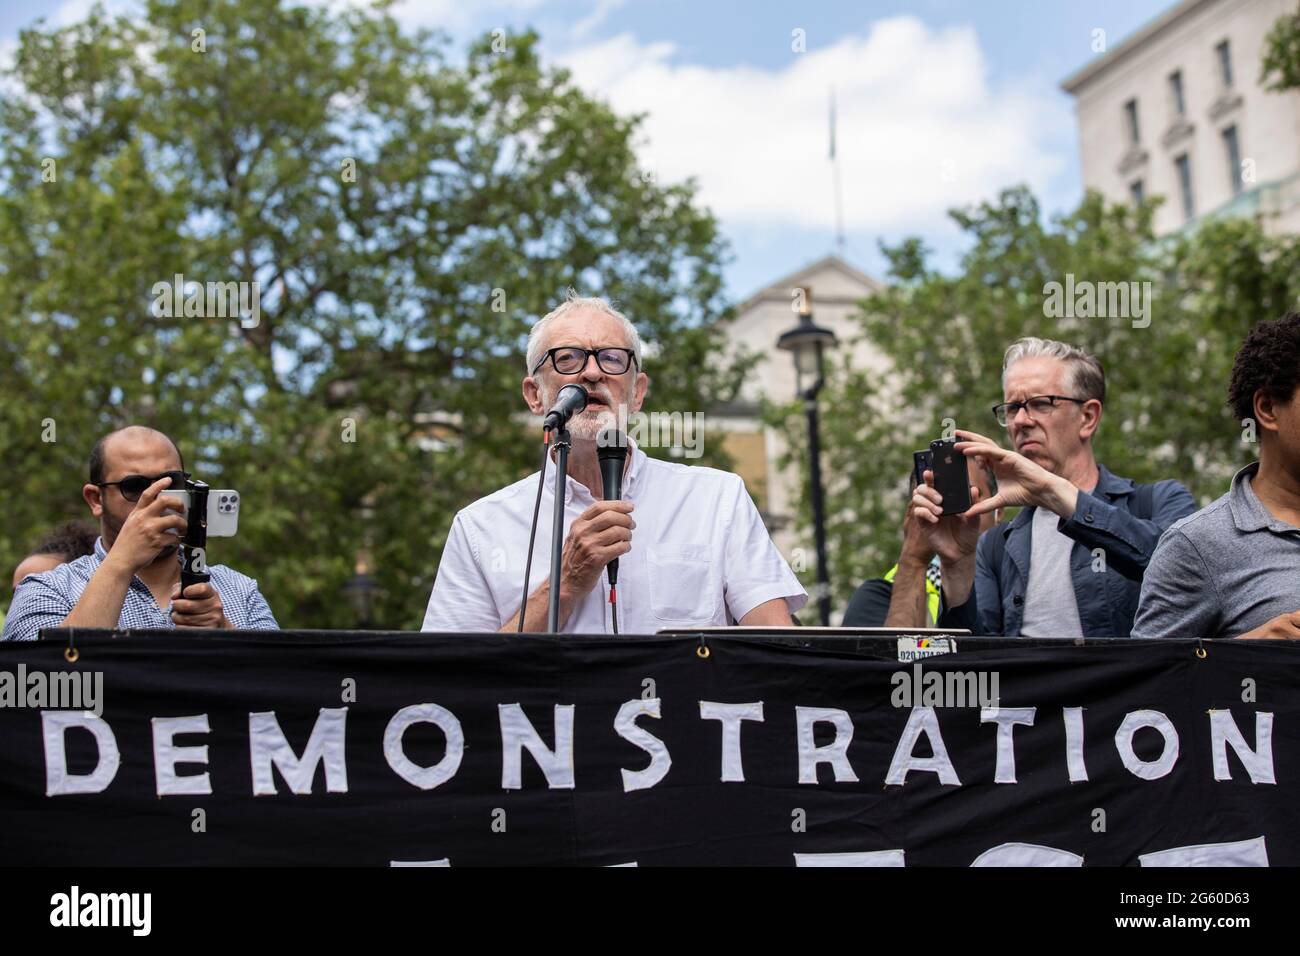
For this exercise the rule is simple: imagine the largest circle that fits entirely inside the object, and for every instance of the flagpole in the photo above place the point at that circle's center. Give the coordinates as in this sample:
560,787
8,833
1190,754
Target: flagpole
839,193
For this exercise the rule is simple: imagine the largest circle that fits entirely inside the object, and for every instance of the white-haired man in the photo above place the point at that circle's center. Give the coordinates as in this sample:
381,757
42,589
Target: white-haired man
1070,564
693,550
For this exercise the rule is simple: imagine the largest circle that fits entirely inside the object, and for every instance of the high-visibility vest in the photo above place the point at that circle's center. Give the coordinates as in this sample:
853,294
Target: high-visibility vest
932,590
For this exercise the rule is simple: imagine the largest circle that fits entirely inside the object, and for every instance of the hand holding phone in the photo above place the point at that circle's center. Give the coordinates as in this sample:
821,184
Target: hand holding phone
223,510
950,475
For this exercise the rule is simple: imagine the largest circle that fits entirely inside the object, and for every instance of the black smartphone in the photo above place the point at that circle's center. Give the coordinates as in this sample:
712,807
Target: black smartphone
951,478
920,465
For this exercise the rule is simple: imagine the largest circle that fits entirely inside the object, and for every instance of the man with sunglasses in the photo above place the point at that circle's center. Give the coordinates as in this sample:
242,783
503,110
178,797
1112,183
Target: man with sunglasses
1070,564
132,580
693,550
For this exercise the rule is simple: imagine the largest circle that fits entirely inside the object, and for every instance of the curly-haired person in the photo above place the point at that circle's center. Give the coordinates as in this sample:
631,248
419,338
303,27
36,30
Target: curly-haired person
67,542
1233,569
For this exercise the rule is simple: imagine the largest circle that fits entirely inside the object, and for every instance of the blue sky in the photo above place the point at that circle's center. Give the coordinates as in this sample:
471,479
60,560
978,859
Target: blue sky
939,103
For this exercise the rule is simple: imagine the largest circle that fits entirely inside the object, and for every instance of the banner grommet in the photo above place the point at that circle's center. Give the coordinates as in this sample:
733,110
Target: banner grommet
1201,653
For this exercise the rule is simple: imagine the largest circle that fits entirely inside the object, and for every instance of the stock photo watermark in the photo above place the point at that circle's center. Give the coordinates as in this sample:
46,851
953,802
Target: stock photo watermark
682,433
1083,299
210,300
920,688
53,690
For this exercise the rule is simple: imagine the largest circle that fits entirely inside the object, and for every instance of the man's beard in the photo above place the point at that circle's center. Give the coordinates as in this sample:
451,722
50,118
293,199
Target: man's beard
587,425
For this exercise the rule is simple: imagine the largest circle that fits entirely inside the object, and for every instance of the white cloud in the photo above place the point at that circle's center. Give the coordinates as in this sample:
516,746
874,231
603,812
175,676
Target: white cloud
74,11
599,12
919,127
451,15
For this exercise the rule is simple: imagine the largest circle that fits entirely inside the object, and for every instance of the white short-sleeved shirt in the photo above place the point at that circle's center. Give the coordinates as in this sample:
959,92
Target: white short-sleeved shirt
700,554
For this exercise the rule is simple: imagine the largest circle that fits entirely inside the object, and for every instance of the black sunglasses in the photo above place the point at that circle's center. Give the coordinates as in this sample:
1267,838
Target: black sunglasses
133,486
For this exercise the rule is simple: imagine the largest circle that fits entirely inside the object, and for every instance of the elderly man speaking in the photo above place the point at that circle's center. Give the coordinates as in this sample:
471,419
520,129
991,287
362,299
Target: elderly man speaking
692,548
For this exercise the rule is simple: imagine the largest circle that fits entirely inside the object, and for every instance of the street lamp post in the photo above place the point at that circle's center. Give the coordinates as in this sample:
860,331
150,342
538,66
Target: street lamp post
808,344
360,591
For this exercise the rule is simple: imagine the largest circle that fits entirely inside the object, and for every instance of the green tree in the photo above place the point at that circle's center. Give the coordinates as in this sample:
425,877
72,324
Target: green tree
1166,412
406,214
1280,64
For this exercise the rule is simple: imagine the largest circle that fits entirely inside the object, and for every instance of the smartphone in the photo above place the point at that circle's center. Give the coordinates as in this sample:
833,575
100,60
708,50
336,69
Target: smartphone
223,510
951,478
920,465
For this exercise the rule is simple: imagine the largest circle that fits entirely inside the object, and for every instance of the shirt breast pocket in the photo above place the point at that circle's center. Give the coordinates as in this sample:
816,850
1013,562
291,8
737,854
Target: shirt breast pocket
683,588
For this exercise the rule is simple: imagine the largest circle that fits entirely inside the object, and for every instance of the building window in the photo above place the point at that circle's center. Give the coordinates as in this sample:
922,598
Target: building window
1176,93
1131,115
1234,157
1137,191
1224,53
1184,166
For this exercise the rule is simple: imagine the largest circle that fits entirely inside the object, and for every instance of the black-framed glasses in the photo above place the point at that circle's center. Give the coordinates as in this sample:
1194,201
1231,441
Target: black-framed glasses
571,359
133,486
1037,405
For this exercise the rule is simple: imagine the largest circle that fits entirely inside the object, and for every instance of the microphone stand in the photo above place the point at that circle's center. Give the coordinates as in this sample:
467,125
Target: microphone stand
560,441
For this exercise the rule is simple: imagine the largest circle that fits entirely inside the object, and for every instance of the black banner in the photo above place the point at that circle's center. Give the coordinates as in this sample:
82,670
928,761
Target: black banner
321,748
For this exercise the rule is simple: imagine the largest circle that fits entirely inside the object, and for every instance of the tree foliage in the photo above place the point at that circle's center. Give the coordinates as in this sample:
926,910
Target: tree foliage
1166,414
406,213
1280,64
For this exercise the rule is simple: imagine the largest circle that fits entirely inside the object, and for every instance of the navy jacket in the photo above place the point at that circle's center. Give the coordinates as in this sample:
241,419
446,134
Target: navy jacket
1122,518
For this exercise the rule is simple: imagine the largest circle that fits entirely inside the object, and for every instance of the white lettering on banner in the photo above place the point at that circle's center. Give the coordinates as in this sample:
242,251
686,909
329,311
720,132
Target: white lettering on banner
270,751
1006,718
58,781
426,778
166,755
1147,769
1026,854
267,746
834,753
660,761
921,720
1241,853
1257,761
74,908
519,734
1074,744
865,858
733,771
399,863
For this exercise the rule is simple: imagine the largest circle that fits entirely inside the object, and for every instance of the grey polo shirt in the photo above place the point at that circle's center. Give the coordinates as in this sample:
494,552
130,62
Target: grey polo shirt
1223,571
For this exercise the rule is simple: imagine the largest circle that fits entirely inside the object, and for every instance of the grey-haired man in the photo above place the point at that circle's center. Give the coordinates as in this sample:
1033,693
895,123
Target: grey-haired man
1071,562
693,550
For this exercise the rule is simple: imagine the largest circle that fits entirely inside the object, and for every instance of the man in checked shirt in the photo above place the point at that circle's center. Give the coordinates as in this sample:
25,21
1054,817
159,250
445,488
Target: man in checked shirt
133,578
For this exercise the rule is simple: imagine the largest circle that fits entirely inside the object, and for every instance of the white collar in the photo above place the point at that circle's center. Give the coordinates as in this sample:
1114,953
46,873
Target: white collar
631,476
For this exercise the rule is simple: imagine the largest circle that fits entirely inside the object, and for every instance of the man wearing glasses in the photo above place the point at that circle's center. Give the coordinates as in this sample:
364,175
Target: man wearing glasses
132,580
1071,562
693,550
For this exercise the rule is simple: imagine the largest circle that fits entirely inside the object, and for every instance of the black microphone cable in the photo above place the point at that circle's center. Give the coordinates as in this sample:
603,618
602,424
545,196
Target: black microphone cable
532,533
612,572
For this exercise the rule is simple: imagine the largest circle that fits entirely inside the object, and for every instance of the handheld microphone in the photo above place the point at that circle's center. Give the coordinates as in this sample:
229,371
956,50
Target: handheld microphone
611,449
571,400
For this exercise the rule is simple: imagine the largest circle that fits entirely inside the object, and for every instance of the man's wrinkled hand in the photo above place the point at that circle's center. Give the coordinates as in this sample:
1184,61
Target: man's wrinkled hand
599,535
